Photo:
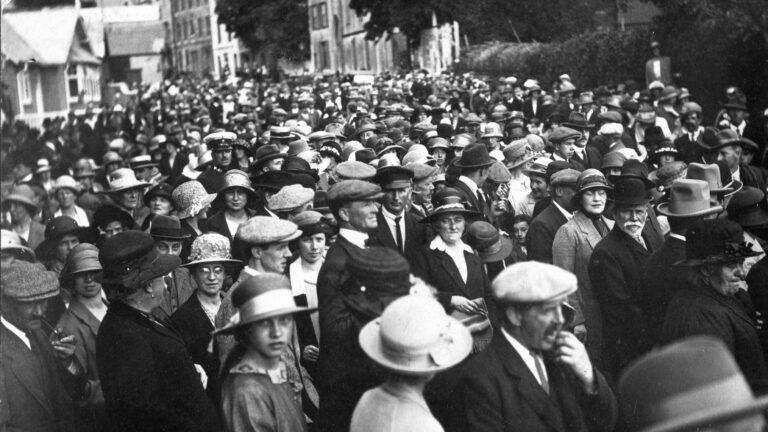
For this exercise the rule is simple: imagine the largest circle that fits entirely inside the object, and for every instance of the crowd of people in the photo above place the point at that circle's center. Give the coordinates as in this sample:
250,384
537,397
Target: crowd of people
420,253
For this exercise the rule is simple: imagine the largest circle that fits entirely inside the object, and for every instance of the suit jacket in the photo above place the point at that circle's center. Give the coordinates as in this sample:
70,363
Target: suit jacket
572,249
753,176
32,397
617,270
528,110
690,151
36,234
700,310
179,161
542,232
415,234
662,281
497,392
592,158
472,200
147,375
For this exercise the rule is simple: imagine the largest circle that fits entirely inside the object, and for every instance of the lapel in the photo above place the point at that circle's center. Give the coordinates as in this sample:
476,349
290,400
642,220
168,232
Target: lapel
450,267
633,246
19,357
527,386
83,314
588,228
471,197
384,234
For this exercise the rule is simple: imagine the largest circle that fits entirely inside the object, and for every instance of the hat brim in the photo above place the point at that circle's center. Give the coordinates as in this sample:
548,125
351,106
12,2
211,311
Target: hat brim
751,219
714,259
710,417
21,199
458,350
211,261
163,265
233,325
519,162
506,249
84,234
21,252
466,212
458,164
183,214
259,162
664,209
137,185
578,126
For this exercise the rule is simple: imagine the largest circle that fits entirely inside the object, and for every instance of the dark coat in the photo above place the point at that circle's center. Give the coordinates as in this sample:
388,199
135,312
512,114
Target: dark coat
472,200
178,166
690,151
753,176
32,397
497,392
415,234
662,281
700,310
528,110
148,378
592,158
439,270
36,234
542,232
617,270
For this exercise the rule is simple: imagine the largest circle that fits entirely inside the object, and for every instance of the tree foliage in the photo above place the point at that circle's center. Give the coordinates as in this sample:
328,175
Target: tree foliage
407,16
280,27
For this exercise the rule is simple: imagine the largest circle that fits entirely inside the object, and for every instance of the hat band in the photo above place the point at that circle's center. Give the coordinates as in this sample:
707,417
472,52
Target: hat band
728,392
270,301
493,248
435,354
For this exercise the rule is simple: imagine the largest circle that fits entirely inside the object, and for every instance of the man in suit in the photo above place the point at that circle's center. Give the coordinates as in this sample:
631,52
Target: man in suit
355,207
690,133
534,376
39,375
729,148
221,145
689,202
397,228
588,156
173,160
475,165
616,269
544,226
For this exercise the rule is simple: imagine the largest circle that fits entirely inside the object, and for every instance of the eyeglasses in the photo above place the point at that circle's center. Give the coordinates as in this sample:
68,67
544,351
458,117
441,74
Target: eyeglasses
217,270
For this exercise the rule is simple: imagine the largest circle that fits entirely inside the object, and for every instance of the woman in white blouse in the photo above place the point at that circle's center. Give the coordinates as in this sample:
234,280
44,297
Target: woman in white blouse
66,190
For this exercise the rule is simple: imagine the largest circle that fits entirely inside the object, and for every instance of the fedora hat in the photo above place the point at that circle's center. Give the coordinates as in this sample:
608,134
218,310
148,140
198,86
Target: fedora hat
747,207
449,201
474,156
737,102
210,248
166,227
414,336
702,394
633,168
491,246
710,173
730,137
11,243
265,154
260,297
630,191
23,194
688,198
578,121
123,179
716,241
191,197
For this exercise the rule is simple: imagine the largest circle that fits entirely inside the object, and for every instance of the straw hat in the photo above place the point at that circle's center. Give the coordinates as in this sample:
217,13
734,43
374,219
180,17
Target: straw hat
11,243
123,179
191,197
414,336
23,194
210,248
66,182
260,297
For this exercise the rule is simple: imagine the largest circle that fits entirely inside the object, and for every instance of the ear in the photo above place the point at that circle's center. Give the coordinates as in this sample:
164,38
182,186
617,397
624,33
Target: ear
514,316
344,214
256,252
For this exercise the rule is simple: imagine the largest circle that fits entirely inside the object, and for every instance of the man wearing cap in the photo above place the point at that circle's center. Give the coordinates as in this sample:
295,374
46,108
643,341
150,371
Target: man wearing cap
544,226
474,165
220,144
729,148
689,202
617,271
39,375
423,187
397,227
563,139
534,375
22,205
145,169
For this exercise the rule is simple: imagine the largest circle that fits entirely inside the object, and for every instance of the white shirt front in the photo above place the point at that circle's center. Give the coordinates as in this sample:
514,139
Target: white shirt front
80,216
15,330
455,252
233,224
357,238
390,219
527,357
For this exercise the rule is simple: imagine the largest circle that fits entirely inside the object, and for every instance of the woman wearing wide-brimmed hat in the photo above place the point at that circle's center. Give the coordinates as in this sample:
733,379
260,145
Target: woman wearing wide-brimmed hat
62,234
148,379
210,264
87,308
257,390
572,250
412,341
236,194
66,189
125,191
192,203
709,304
22,205
449,264
12,248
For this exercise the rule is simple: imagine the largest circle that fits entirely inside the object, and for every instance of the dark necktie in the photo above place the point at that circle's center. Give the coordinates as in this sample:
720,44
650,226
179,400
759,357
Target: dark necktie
481,201
399,234
540,371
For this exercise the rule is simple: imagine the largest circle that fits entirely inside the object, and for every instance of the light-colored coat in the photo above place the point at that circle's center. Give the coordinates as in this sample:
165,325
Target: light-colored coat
571,250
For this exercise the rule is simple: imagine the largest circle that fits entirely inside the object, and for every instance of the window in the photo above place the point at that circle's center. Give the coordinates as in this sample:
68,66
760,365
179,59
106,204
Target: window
192,30
72,82
218,33
323,56
178,32
234,61
25,90
319,16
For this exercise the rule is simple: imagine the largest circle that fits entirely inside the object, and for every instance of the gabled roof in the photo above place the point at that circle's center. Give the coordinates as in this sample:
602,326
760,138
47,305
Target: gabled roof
49,36
136,38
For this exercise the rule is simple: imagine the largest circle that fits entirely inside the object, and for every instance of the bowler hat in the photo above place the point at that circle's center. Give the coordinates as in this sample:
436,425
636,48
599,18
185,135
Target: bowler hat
688,198
747,207
166,227
449,201
414,336
491,246
578,121
56,229
474,156
630,191
260,297
716,241
708,388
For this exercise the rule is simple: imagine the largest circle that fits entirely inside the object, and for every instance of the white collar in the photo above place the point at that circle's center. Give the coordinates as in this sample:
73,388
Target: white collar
15,330
389,215
470,183
438,244
357,238
525,354
565,213
677,236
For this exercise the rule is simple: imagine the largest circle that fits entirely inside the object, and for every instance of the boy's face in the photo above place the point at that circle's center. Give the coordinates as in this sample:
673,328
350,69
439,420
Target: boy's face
270,336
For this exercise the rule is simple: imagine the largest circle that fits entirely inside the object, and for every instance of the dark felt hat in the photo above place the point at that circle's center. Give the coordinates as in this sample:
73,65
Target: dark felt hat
474,156
491,246
715,241
380,269
449,201
265,154
109,213
130,260
394,177
630,191
166,227
56,229
747,207
577,120
163,190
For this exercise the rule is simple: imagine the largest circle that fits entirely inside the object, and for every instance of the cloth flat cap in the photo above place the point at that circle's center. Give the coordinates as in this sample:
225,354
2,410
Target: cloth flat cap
533,282
290,197
27,282
260,230
422,171
353,190
566,177
354,170
394,177
562,134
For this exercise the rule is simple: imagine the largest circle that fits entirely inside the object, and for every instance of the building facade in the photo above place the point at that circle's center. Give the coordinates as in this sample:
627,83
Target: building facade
191,35
229,53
